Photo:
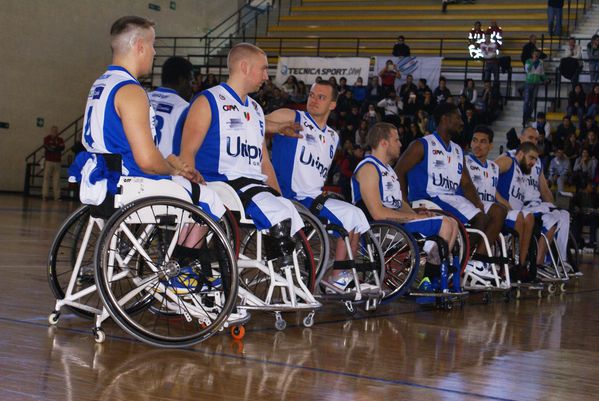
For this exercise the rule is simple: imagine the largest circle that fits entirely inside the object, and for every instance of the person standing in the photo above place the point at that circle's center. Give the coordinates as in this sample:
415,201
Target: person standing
535,76
554,16
400,49
53,145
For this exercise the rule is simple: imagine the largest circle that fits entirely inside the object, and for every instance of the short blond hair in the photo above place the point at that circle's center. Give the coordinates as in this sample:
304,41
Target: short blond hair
242,51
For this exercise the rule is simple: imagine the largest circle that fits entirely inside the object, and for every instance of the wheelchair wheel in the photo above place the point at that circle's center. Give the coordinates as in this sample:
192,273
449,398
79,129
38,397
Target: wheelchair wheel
257,281
462,244
63,256
401,257
370,251
145,289
317,237
231,228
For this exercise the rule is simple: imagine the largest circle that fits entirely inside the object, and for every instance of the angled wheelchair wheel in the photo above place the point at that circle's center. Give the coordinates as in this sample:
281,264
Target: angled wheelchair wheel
145,288
62,258
317,237
370,251
462,244
401,257
257,281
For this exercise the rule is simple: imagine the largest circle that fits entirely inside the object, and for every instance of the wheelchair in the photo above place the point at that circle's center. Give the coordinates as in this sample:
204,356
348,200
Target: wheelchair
138,279
276,272
557,274
366,266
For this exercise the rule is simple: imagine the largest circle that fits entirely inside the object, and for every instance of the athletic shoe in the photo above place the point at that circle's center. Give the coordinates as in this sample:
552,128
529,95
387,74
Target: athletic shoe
342,282
187,282
86,275
425,286
480,269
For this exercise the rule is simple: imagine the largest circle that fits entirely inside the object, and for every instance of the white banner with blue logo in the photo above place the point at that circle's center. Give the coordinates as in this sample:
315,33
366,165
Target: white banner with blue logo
428,68
308,68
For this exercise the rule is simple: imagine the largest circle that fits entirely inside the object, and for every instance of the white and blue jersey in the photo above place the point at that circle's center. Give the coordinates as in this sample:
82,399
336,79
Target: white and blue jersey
233,144
390,192
512,184
437,177
439,172
389,188
531,189
484,176
302,164
169,108
102,127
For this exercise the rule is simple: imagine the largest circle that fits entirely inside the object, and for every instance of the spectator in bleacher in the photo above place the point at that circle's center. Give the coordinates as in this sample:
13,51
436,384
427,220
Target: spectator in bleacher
489,105
530,48
353,117
400,49
407,88
301,94
410,105
53,147
535,77
422,119
541,124
470,91
372,116
592,144
345,103
563,132
392,106
589,125
290,86
593,55
495,32
441,92
197,84
276,101
359,91
545,150
476,34
428,102
317,79
361,132
584,170
388,76
572,148
343,87
463,105
422,87
374,91
559,169
414,132
592,102
490,51
571,63
576,99
210,81
470,122
554,16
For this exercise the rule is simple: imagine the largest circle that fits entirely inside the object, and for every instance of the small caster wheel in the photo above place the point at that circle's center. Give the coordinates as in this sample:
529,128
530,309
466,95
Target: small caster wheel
99,335
486,298
448,305
309,320
562,287
551,288
54,317
349,307
280,324
237,332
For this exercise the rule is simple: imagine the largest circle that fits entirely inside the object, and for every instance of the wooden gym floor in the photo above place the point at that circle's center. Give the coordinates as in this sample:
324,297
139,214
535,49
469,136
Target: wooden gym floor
531,349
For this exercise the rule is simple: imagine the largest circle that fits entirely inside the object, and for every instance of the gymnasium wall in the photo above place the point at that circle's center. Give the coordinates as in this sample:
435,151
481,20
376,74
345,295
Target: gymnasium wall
52,51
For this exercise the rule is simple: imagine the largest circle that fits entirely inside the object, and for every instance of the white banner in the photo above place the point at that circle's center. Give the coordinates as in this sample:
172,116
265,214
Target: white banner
428,68
308,68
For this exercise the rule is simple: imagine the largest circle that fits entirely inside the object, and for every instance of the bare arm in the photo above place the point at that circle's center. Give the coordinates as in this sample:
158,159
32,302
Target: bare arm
282,121
546,194
504,163
501,199
412,156
133,107
195,129
368,177
469,188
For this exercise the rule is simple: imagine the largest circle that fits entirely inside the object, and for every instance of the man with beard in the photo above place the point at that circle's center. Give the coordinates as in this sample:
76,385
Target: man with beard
538,198
432,169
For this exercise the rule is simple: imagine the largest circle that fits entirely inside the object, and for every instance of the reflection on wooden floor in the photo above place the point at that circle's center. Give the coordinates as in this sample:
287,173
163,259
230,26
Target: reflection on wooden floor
532,349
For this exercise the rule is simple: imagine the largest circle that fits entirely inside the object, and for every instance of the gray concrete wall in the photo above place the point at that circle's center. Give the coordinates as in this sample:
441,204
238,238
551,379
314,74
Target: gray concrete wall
52,51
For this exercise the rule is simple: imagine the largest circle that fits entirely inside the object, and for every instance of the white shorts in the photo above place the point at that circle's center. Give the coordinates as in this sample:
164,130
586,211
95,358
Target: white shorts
267,210
550,218
209,200
457,205
512,215
343,214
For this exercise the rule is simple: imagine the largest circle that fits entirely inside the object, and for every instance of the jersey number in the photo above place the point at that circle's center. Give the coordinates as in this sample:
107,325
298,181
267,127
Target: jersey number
158,127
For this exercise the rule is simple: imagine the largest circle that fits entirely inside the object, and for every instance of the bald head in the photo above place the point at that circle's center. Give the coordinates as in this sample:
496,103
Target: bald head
242,52
529,135
126,30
